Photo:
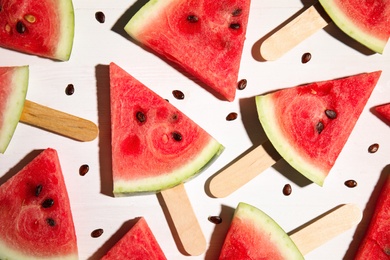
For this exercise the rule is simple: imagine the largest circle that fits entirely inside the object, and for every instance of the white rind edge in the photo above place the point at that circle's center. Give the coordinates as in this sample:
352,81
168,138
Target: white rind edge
65,42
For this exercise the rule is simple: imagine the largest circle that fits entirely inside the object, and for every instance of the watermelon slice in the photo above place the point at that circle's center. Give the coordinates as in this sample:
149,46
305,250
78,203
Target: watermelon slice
36,220
138,243
376,242
44,28
13,90
384,112
366,21
309,125
254,235
154,145
205,37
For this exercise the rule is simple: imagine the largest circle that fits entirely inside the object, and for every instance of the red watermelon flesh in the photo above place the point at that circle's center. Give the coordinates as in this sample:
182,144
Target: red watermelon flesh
254,235
138,243
366,21
154,145
205,37
376,242
35,214
310,124
44,28
13,90
384,112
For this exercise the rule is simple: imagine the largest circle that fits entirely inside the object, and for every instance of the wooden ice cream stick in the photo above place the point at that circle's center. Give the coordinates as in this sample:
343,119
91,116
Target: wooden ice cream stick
293,33
184,220
243,170
58,122
325,228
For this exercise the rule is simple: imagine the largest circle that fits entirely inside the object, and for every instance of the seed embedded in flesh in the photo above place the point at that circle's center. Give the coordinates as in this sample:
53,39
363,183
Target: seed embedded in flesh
192,18
242,84
38,190
331,114
350,183
83,169
30,18
100,17
231,116
237,12
69,90
306,57
7,28
287,189
140,117
47,203
20,27
373,148
51,222
235,26
215,219
177,136
97,233
320,127
178,94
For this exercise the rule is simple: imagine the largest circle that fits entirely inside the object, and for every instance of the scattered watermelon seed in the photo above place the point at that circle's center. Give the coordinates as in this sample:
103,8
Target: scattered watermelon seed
97,233
178,94
320,127
20,27
350,183
30,18
215,219
38,190
287,189
83,169
373,148
192,18
235,26
100,17
140,117
51,222
237,12
306,57
47,203
330,113
231,116
177,136
69,90
242,84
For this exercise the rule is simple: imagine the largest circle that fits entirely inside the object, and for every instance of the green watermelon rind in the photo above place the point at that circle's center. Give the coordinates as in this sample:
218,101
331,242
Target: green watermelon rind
204,158
14,106
67,23
350,28
268,119
13,254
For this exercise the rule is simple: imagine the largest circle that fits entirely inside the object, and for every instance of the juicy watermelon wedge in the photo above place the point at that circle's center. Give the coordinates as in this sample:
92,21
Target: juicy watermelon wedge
376,242
254,235
35,215
366,21
138,243
154,145
309,125
43,28
13,90
384,112
205,37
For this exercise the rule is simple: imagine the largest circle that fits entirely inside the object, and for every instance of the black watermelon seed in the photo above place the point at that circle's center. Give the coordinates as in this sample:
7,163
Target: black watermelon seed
192,18
20,27
320,127
330,113
242,84
47,203
350,183
51,222
100,17
235,26
231,116
84,169
178,94
373,148
306,57
287,189
237,12
38,190
215,219
140,117
97,233
69,90
177,136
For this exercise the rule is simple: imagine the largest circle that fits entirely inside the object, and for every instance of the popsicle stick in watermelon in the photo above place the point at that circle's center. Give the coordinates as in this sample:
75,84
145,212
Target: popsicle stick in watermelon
205,38
35,216
307,125
14,108
156,148
365,21
383,112
255,235
44,28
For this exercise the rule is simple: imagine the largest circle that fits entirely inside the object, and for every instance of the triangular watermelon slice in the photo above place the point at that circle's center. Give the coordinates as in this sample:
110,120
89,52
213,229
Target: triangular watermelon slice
154,145
255,235
138,243
13,90
35,215
384,112
309,125
376,242
205,37
44,28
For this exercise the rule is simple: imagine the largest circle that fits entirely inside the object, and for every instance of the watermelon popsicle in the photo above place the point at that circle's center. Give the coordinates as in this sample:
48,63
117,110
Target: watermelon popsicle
14,108
365,21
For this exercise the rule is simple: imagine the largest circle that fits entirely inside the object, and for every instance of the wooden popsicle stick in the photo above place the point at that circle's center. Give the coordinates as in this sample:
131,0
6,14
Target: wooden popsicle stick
58,122
293,33
327,227
242,171
184,220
